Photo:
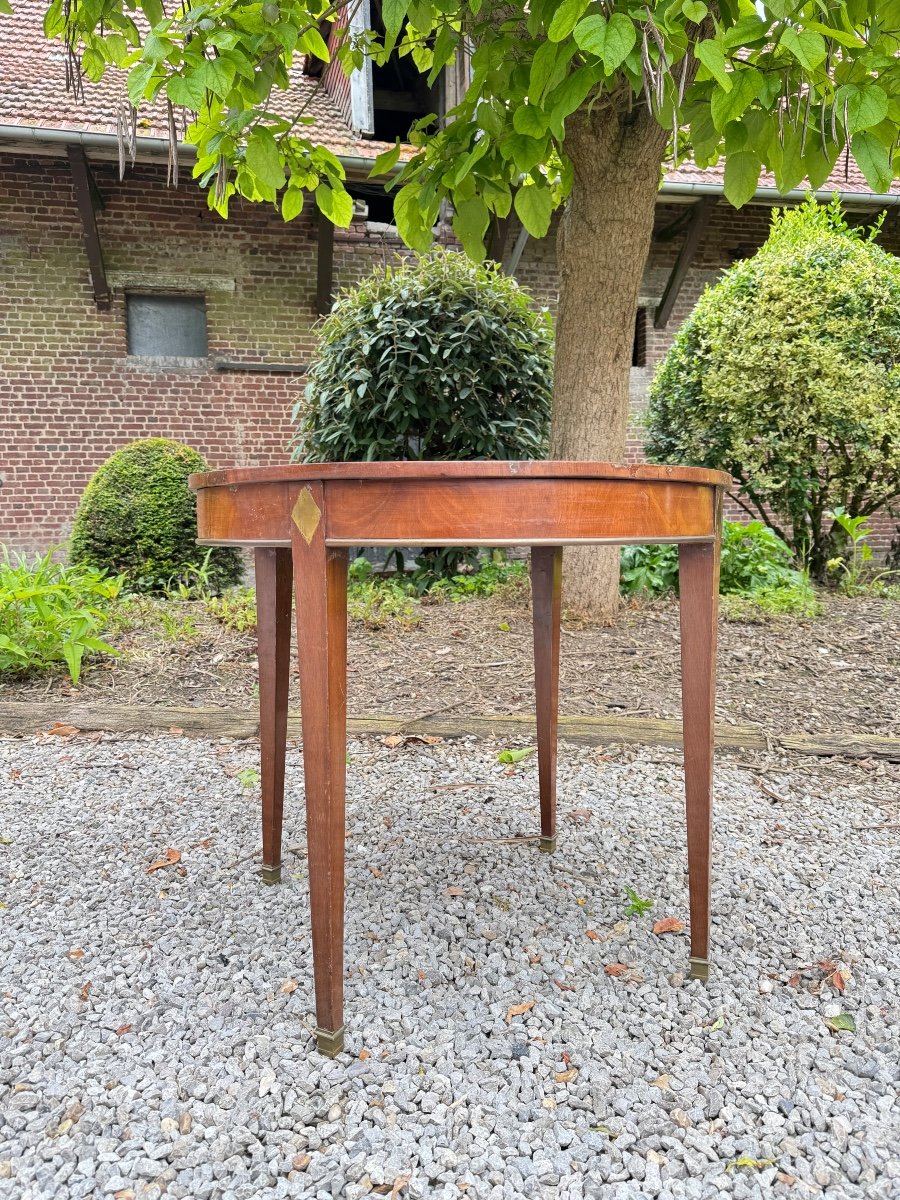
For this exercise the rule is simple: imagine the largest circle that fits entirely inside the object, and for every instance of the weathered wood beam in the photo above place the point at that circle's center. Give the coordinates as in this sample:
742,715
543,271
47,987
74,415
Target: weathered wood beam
689,247
85,199
324,266
25,718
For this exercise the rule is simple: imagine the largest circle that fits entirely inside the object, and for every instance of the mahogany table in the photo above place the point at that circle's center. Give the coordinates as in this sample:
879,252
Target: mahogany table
301,519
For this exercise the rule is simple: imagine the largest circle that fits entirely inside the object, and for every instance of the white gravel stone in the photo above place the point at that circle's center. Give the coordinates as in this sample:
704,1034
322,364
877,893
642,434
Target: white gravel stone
148,1040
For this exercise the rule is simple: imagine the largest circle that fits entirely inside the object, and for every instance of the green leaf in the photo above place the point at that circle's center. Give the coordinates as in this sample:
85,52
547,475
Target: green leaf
731,105
741,176
217,75
713,58
530,120
695,10
292,203
470,224
386,161
185,90
264,159
807,47
565,19
138,80
336,205
874,161
843,1021
393,13
867,106
621,36
5,8
590,34
542,68
534,206
514,756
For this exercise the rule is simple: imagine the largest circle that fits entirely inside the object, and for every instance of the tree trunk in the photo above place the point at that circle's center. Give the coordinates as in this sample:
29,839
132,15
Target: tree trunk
602,247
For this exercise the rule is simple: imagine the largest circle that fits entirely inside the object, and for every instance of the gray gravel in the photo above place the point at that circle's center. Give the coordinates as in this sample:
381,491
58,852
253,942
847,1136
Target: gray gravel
156,1028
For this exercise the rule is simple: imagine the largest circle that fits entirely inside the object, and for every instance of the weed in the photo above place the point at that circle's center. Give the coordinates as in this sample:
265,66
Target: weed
636,907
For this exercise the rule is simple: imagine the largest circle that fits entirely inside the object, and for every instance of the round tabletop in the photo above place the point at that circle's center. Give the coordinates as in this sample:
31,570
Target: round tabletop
479,469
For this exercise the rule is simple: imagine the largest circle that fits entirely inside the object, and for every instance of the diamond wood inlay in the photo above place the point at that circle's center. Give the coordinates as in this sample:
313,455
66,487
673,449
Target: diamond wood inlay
306,515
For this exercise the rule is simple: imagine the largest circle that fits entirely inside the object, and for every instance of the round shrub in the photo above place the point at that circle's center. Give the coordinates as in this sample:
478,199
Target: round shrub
787,375
138,518
436,358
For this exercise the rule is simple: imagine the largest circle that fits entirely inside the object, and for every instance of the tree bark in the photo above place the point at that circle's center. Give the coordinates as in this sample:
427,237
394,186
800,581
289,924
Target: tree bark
602,247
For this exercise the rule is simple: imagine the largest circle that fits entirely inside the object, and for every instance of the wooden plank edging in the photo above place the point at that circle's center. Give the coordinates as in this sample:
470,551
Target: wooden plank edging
23,718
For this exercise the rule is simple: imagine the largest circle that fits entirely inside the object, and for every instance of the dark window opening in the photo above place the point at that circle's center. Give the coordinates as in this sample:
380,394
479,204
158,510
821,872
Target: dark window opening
639,346
161,326
380,204
400,93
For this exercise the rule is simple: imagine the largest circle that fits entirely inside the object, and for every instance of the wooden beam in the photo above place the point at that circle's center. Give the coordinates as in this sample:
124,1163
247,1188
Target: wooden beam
684,262
25,718
85,193
324,266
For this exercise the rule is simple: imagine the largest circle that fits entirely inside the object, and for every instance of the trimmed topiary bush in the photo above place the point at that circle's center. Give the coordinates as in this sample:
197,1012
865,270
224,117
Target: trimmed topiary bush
787,375
436,358
138,518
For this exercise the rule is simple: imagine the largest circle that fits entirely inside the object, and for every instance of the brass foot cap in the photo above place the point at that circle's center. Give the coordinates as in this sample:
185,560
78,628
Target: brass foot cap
548,844
271,874
700,968
330,1042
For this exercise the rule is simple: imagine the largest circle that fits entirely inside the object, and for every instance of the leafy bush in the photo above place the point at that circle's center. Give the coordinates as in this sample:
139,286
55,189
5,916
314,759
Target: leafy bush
435,358
787,375
51,614
438,358
756,565
138,518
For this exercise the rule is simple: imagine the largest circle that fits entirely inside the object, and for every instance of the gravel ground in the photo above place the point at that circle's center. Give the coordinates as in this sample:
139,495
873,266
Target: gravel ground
156,1031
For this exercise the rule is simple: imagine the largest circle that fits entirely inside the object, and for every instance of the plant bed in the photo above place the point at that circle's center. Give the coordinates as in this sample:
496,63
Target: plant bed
838,672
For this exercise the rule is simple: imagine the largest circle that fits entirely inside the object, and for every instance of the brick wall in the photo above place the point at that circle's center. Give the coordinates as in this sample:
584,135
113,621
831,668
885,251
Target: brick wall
69,392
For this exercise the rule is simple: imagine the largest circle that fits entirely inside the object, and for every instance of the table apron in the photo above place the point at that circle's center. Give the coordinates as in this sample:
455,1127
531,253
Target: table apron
490,512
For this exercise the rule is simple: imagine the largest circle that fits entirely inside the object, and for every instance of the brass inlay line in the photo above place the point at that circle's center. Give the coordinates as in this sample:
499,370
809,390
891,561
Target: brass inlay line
306,515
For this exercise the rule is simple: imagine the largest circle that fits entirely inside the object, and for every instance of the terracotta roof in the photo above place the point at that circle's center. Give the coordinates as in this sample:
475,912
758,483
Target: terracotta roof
33,94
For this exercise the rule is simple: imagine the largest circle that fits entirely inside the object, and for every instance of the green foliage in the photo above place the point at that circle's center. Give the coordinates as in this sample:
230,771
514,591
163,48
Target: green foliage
756,569
433,358
779,85
853,568
138,518
636,907
51,614
235,609
787,375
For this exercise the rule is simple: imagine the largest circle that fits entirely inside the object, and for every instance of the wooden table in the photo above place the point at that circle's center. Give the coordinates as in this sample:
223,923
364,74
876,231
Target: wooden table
301,520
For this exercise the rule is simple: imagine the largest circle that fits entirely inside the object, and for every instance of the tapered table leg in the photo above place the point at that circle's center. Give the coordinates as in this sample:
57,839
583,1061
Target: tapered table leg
273,630
320,584
699,588
546,591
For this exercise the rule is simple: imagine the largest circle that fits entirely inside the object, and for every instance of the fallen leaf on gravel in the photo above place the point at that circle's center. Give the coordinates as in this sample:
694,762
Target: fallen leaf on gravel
85,990
718,1023
124,1194
751,1164
783,1177
175,730
61,730
376,872
842,1022
301,1161
566,1076
185,1122
794,981
604,1129
580,816
454,891
620,927
518,1010
428,739
668,925
75,953
680,1117
172,857
839,980
123,1029
662,1082
289,985
364,1054
515,756
564,987
204,845
393,740
616,969
593,935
